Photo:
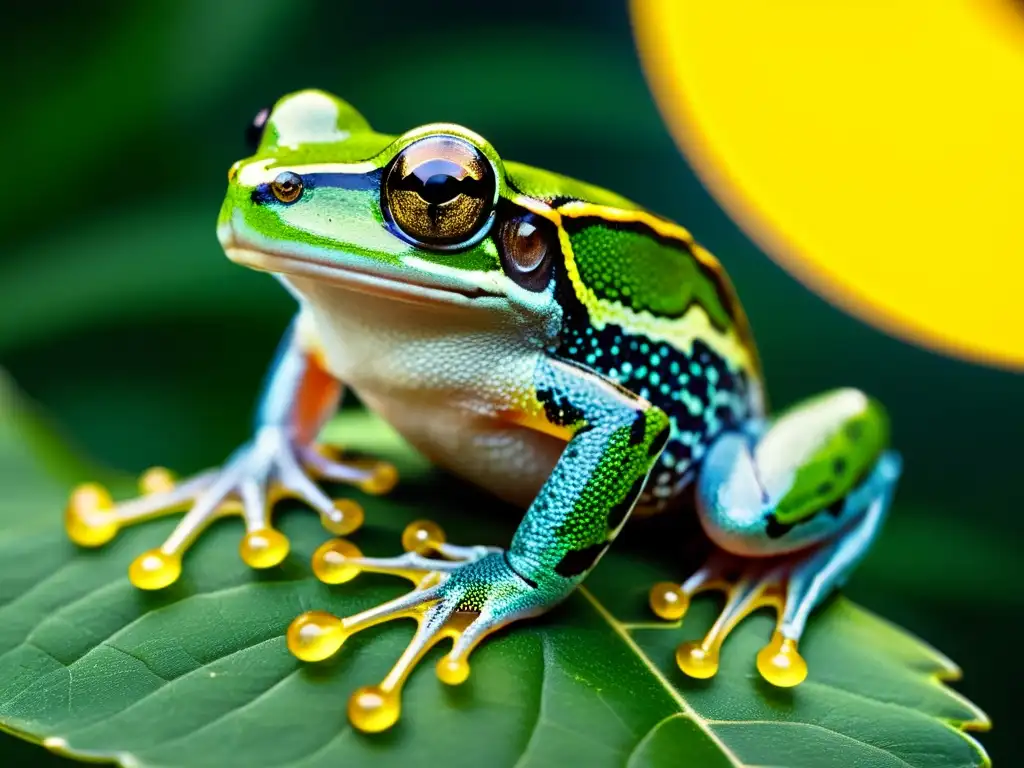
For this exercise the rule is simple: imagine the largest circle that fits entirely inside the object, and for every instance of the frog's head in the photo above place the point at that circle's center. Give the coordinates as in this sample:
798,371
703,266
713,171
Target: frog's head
428,216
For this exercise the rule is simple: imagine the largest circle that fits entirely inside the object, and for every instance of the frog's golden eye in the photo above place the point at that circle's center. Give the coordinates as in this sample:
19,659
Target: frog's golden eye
254,131
287,187
440,192
527,243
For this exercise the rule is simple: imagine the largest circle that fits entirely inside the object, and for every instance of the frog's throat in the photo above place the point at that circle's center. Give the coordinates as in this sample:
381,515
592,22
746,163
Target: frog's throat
391,285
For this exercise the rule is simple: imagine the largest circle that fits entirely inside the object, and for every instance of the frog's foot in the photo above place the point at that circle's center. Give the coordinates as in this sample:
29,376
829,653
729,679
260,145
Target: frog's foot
462,593
793,584
747,587
269,468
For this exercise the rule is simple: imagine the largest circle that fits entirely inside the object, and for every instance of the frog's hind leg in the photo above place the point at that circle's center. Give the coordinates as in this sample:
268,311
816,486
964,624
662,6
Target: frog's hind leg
786,538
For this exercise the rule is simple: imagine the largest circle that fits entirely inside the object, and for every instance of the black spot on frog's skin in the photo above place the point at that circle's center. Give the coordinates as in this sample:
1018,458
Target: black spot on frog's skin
659,442
577,561
854,430
825,489
839,466
682,451
618,513
558,410
638,430
836,507
698,385
775,529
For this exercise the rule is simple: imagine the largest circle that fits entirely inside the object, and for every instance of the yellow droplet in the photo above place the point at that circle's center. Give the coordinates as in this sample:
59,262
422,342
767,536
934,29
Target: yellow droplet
452,671
87,518
422,536
372,709
156,480
351,518
264,548
154,570
668,600
780,663
315,636
331,561
382,479
697,661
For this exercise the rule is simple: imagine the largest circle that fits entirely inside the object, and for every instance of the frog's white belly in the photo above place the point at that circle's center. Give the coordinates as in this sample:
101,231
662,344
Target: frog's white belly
443,376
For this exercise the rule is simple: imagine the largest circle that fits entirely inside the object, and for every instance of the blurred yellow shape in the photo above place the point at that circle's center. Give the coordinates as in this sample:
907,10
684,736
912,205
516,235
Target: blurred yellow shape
875,148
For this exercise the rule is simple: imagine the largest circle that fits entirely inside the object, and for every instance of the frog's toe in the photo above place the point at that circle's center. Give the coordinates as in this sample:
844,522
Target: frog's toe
339,516
462,593
316,635
369,475
91,518
747,588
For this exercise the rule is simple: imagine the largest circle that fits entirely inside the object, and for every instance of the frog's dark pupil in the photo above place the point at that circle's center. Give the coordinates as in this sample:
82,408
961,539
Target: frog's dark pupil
254,131
439,181
440,188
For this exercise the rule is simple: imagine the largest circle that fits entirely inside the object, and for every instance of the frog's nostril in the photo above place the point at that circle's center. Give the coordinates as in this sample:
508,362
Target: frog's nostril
233,171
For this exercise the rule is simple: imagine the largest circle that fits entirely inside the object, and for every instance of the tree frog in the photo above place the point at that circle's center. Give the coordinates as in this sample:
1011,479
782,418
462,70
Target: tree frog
554,343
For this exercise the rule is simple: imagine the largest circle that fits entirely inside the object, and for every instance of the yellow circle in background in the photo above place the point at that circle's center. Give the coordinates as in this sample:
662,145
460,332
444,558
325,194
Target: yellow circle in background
875,148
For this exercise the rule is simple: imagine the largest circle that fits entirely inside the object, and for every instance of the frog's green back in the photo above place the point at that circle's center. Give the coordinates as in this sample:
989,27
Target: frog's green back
553,188
626,257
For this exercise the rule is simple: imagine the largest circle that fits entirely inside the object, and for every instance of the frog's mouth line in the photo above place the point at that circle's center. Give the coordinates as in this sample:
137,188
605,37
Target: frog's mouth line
390,286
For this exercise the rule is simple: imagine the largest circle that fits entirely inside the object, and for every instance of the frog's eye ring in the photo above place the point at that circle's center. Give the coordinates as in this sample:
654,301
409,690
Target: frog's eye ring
527,243
254,131
440,192
287,187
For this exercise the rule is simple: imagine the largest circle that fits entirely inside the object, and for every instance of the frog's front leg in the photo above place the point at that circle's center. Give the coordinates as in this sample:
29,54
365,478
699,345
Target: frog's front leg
299,397
793,507
467,593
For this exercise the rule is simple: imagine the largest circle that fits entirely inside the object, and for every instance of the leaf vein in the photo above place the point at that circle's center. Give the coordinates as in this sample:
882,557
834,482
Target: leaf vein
231,712
142,699
650,734
540,704
684,705
817,726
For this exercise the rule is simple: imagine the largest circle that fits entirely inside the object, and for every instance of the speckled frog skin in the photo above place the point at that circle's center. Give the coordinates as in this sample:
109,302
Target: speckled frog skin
543,338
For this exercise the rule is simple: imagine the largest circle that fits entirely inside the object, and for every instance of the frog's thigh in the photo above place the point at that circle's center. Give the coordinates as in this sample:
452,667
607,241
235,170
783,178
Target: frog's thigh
796,483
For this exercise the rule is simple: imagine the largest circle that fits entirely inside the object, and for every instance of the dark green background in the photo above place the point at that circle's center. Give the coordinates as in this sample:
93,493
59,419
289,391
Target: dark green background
119,313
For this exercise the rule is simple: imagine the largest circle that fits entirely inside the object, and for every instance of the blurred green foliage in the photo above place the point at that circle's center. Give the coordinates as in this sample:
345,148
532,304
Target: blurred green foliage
120,315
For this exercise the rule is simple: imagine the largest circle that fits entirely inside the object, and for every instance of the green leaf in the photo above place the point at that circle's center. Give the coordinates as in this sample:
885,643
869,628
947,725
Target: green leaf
199,674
